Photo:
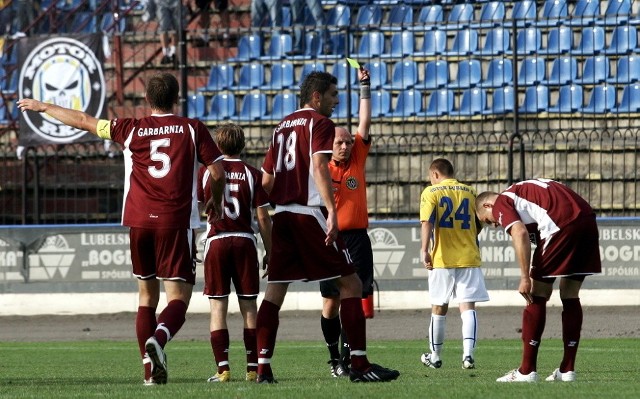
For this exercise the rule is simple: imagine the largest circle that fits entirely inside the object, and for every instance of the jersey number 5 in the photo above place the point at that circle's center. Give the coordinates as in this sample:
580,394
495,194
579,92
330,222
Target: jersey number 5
461,213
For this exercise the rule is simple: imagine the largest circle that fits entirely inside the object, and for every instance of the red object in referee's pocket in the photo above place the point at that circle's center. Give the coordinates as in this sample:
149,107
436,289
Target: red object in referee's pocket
367,306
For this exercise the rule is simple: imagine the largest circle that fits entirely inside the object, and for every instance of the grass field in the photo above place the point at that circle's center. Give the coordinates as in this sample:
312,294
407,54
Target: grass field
607,368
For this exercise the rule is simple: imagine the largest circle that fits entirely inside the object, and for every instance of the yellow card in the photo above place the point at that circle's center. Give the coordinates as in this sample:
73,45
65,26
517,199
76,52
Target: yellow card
353,63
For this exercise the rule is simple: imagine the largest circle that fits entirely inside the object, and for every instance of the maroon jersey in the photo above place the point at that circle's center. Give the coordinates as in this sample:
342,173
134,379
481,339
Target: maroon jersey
289,158
242,195
162,155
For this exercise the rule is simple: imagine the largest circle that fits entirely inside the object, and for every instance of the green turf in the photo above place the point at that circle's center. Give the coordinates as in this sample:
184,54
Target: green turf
606,368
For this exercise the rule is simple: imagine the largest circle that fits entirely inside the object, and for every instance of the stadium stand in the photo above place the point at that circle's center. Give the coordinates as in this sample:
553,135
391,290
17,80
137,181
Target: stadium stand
630,102
559,41
439,103
602,99
409,103
536,99
223,107
469,74
595,70
436,75
253,107
404,76
563,70
570,100
627,70
473,102
499,73
401,45
503,101
554,12
492,15
429,18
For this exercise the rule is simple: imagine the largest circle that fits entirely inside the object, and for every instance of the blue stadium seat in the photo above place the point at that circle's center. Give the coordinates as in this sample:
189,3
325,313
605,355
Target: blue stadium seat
591,42
281,77
630,102
499,73
409,103
436,75
399,17
559,41
554,12
404,75
253,107
400,46
223,107
491,14
371,45
4,112
434,42
368,16
283,104
313,47
440,103
524,13
563,71
251,77
528,41
221,77
617,12
473,102
496,42
378,73
338,16
249,48
345,74
469,74
286,16
465,42
83,22
307,68
109,26
459,17
584,13
340,44
536,99
601,100
502,102
340,110
627,70
570,100
595,70
624,40
430,17
196,105
532,71
380,104
279,45
10,86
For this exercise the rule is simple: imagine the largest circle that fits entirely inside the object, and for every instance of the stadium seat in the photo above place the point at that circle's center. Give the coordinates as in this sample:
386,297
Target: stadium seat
532,71
440,103
4,112
196,106
436,75
380,104
249,48
313,47
83,22
499,73
496,42
459,17
630,102
340,44
570,100
307,68
559,41
338,16
563,71
286,16
283,104
279,45
399,17
401,45
503,101
473,102
223,107
368,16
109,26
554,12
601,100
253,107
404,75
627,70
528,41
591,42
340,110
595,70
584,13
465,42
371,45
523,14
469,74
10,88
251,77
617,12
345,74
434,42
221,77
409,103
281,77
536,99
624,40
378,73
491,15
430,17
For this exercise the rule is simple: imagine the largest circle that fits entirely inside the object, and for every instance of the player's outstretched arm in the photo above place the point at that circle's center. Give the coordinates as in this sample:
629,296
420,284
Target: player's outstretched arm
364,112
70,117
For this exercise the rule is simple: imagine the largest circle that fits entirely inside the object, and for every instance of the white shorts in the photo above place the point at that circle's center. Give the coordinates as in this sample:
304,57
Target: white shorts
464,284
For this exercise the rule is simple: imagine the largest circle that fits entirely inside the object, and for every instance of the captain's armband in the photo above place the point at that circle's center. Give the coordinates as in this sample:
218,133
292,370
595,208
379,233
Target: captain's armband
104,129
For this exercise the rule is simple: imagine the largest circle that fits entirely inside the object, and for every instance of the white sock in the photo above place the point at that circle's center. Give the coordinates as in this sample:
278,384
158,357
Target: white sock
436,335
469,332
172,50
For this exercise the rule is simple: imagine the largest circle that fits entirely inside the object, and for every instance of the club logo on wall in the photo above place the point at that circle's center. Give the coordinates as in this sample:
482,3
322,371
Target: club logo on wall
64,71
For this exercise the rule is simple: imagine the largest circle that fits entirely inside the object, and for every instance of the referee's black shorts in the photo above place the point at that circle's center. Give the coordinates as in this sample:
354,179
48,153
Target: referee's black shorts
359,245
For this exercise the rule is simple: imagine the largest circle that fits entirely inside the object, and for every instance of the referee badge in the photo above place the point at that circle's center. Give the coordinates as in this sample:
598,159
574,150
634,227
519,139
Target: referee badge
351,183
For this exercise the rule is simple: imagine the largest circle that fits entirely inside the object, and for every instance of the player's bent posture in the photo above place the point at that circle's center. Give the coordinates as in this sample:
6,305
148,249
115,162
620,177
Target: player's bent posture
230,250
162,153
563,227
304,246
347,168
449,250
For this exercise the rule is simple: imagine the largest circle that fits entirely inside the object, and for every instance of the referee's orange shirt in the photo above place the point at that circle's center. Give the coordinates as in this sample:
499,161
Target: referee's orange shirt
350,187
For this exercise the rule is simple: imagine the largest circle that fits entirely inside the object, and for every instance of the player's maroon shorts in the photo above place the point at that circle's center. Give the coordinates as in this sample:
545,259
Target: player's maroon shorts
167,254
298,251
230,259
573,251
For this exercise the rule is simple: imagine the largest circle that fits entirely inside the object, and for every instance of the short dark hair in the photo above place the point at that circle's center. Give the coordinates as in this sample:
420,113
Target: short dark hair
443,166
163,91
315,81
230,139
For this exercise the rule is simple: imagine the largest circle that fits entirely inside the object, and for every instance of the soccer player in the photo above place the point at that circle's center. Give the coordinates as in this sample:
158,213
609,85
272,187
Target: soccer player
563,227
230,249
304,247
347,167
160,207
449,250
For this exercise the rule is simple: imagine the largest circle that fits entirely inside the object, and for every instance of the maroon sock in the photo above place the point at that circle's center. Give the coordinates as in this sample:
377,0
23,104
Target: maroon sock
268,321
354,325
533,321
249,336
145,326
171,318
220,345
571,326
